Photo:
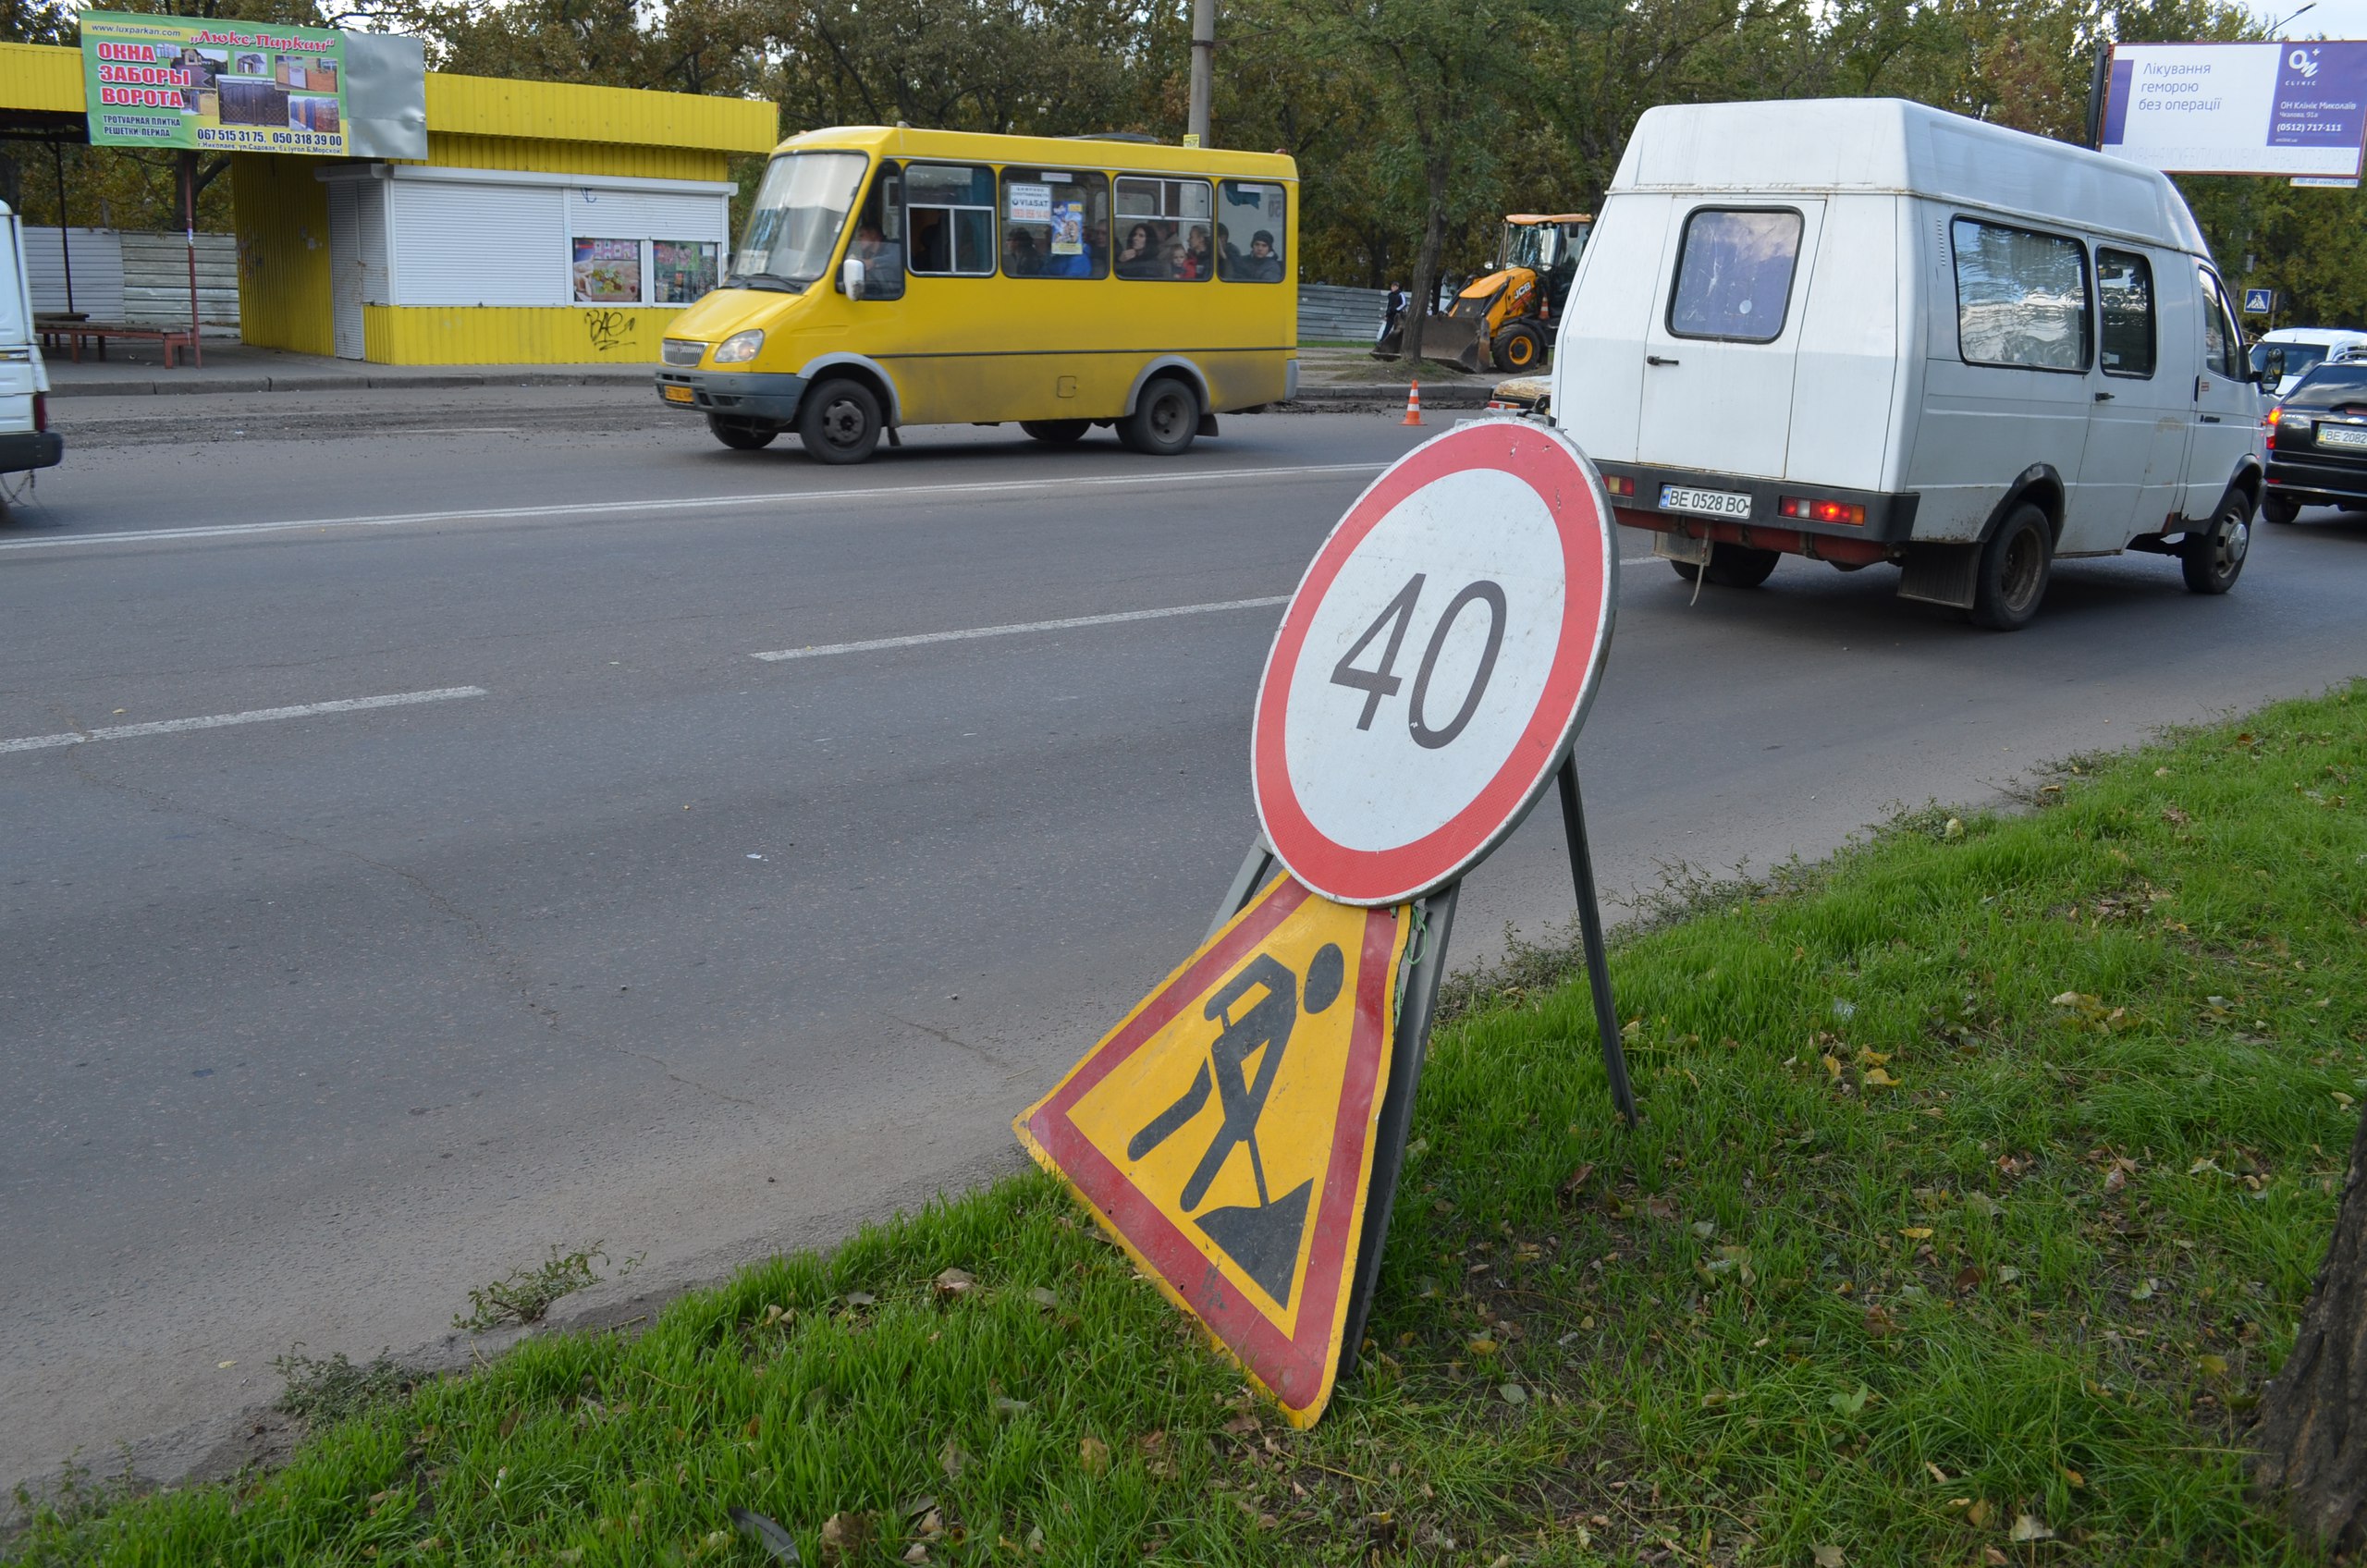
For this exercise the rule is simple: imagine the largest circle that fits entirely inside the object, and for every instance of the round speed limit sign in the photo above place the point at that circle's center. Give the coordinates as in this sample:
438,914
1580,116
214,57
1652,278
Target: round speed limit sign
1436,660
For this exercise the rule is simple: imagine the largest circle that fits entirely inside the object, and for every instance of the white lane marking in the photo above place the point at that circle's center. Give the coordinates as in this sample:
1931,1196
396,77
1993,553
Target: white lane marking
830,650
253,716
876,644
687,503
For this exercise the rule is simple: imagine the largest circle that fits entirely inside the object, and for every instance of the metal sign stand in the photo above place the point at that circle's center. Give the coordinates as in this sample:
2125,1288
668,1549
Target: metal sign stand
1417,993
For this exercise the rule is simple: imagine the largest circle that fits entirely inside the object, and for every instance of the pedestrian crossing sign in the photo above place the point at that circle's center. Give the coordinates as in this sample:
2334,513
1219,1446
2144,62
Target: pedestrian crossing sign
1223,1132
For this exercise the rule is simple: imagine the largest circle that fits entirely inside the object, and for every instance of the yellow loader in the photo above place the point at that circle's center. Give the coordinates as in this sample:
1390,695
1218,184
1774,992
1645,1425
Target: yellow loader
1504,317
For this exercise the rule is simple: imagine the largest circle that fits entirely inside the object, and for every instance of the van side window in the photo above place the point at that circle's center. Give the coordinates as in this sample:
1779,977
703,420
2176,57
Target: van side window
1055,224
950,210
1253,227
2124,313
2021,297
2223,341
1733,274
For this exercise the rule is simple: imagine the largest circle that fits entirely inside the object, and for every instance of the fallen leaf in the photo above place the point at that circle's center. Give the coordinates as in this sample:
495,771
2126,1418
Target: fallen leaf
1978,1514
1242,1424
1955,830
1937,1474
2144,1290
954,1283
223,1365
1969,1277
2006,1274
2213,1366
1874,1077
844,1536
1917,1233
1044,1298
2072,1476
1576,1181
1830,1557
1514,1393
2175,817
2115,1179
1833,1065
2029,1527
1874,1058
1879,1323
1993,1558
916,1552
1093,1454
1006,1405
1982,1204
778,1543
1705,1229
1852,1405
951,1460
861,1299
1482,1345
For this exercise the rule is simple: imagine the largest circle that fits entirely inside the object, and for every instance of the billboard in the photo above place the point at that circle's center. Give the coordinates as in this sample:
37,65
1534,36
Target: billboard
2289,108
210,84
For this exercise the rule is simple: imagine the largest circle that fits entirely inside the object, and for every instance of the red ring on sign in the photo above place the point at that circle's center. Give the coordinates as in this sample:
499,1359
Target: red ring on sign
1559,475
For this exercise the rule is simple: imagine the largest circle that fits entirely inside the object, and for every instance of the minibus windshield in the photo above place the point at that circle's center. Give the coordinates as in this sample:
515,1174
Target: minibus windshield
794,222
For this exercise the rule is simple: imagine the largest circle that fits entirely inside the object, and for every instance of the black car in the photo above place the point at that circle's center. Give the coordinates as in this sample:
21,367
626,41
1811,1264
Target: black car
2317,443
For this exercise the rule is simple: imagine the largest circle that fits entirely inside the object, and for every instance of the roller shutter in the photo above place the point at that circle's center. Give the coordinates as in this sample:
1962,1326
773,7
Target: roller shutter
469,244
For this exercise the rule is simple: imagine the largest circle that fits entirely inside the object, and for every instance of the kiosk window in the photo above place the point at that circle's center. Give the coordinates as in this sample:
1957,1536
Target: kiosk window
2021,297
1055,224
1734,276
1253,227
950,210
2123,314
1165,229
682,269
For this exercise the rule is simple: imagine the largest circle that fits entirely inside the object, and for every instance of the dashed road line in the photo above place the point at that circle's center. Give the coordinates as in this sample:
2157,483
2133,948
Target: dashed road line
252,716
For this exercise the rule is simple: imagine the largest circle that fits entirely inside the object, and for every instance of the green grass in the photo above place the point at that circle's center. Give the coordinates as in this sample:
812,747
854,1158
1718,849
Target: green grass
1984,1172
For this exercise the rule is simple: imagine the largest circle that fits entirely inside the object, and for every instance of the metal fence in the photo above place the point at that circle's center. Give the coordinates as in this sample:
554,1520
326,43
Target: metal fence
1326,310
135,278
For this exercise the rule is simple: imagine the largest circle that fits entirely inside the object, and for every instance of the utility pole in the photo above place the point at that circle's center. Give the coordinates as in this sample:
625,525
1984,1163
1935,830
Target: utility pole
189,219
1204,48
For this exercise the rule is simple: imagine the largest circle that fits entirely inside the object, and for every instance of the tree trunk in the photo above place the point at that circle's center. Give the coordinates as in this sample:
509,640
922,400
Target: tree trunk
2312,1442
1426,268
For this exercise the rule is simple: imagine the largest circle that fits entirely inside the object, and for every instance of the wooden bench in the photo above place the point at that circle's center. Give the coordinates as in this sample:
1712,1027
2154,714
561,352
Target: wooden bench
175,340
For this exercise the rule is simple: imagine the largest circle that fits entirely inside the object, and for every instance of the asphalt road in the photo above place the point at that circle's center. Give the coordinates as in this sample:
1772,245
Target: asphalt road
613,930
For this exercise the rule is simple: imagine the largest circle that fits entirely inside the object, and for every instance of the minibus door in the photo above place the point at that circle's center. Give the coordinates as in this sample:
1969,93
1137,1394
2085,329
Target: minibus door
1724,339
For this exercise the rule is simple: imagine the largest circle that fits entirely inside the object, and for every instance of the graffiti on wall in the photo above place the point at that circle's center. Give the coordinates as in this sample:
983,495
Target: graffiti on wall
611,332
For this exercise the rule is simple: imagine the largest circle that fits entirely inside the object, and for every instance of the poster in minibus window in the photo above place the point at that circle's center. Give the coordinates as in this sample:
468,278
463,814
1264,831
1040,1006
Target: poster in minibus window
213,85
1068,229
607,271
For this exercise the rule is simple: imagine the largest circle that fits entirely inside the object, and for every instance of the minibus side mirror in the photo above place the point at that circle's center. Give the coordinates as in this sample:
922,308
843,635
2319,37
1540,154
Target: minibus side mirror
2272,368
851,278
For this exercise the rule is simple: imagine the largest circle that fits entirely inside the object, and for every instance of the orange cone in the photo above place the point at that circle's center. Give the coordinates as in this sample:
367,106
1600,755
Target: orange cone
1413,405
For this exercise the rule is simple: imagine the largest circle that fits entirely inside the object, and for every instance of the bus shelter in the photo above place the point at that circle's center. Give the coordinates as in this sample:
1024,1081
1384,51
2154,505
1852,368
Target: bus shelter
385,212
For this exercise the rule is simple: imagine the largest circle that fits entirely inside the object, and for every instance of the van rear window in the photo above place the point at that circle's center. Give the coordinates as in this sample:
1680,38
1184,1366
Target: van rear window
2021,297
1733,274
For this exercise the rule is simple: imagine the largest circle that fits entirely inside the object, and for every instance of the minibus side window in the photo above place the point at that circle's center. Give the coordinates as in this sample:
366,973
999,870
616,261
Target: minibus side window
1733,274
949,209
879,242
2021,297
2125,312
1165,229
1055,224
1253,227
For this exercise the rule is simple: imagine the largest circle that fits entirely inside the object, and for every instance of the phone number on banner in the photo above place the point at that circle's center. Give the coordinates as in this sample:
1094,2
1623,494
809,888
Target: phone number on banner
271,141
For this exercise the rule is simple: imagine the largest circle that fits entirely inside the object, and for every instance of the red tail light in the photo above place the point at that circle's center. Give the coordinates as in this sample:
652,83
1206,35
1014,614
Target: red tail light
40,411
1823,511
1619,484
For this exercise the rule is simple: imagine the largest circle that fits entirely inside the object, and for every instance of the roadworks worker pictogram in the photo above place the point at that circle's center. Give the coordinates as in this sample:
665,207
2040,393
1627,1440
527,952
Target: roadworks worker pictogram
1224,1133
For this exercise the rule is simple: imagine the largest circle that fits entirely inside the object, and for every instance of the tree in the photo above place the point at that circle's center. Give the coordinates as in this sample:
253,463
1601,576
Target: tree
2312,1440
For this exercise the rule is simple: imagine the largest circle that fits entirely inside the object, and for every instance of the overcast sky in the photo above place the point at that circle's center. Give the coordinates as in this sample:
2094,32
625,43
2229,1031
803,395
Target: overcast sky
2331,19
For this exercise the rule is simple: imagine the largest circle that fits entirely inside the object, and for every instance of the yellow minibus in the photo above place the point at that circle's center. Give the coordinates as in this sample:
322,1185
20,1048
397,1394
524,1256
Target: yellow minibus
890,276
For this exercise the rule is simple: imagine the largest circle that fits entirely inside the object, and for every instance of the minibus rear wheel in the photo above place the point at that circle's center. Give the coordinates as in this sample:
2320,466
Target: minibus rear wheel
1165,419
1057,432
741,435
2015,566
839,421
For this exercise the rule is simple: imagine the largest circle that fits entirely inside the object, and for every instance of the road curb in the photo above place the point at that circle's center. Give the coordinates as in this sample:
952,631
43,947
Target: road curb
1388,395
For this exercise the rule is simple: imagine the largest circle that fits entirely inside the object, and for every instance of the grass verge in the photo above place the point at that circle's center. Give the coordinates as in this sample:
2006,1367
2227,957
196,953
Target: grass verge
1985,1170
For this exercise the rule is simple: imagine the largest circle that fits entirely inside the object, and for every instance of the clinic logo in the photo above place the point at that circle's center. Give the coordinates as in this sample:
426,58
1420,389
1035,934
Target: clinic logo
2303,62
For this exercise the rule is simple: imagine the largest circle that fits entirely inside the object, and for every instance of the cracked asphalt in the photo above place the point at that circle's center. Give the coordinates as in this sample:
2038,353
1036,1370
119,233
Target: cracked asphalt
310,1023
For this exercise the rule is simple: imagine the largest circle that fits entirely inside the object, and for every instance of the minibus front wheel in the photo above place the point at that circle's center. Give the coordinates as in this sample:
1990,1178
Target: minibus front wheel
739,435
839,421
1165,419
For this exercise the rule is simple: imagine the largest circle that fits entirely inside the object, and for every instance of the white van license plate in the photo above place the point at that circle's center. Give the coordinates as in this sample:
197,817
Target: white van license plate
1708,503
2349,436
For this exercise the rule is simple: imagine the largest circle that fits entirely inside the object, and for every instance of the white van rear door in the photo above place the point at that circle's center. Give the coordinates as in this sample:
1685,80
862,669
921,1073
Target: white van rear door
1599,364
19,361
1724,338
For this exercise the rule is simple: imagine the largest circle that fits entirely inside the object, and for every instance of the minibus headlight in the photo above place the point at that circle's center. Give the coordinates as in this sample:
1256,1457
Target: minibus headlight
738,349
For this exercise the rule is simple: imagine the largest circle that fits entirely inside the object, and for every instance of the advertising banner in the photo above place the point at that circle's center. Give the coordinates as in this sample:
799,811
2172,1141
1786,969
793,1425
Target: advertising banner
2289,108
215,85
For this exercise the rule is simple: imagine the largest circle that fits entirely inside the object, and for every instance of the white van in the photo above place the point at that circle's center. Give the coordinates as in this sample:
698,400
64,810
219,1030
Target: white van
1865,331
26,440
2300,351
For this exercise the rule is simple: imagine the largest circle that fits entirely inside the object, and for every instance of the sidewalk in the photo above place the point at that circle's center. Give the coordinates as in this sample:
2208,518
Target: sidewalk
136,370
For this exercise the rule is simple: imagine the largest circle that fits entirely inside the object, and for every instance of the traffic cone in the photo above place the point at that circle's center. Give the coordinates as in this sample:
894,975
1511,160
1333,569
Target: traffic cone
1413,405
